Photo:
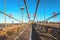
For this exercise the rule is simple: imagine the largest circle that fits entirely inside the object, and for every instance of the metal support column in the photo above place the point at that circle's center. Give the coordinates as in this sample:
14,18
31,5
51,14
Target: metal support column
5,11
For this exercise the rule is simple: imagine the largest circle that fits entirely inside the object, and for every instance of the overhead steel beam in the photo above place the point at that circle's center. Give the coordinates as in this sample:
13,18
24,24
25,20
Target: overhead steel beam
36,9
27,9
9,16
52,16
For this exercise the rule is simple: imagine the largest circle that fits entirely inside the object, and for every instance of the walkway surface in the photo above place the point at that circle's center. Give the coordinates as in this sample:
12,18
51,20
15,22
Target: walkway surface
25,35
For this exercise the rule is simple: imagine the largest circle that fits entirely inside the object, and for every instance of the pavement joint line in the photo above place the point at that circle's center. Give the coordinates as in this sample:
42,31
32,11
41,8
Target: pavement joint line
20,34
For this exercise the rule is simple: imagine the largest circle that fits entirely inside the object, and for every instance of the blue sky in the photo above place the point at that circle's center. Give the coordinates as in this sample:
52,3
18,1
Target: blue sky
12,7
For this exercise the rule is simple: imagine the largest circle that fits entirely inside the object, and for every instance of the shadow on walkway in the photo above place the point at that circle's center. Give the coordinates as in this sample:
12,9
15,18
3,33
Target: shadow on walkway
35,35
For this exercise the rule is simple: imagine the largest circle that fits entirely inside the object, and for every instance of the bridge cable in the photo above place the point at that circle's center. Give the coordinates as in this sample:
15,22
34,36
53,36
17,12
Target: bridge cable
27,10
52,16
9,16
36,10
